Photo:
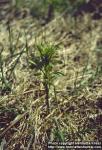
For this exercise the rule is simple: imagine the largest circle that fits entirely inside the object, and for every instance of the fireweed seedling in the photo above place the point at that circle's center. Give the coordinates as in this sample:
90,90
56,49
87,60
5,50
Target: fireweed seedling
44,60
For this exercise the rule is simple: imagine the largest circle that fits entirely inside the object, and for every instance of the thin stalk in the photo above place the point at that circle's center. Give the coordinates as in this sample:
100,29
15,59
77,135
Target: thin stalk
55,96
16,62
10,39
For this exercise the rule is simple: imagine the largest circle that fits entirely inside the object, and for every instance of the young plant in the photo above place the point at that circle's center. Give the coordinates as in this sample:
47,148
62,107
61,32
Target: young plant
44,61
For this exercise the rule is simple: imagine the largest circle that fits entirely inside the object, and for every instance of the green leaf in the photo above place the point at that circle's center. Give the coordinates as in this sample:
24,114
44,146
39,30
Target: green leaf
57,74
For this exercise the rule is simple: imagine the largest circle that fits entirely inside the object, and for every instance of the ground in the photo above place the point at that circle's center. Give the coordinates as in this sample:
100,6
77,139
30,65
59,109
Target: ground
76,111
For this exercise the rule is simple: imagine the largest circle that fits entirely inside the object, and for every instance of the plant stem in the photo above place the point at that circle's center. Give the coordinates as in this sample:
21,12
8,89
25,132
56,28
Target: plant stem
47,96
46,86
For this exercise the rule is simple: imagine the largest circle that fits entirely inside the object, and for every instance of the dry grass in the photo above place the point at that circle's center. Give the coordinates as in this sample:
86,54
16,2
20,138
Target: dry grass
76,114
